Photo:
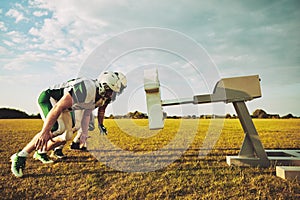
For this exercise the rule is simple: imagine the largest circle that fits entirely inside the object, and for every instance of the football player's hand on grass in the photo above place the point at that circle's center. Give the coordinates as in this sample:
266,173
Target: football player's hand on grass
41,143
102,129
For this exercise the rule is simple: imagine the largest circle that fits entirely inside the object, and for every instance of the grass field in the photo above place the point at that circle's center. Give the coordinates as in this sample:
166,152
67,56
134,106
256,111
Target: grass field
190,176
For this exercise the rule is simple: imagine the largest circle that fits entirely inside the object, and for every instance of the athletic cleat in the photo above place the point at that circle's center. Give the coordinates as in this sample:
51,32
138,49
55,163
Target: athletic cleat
83,149
43,157
17,165
75,145
57,153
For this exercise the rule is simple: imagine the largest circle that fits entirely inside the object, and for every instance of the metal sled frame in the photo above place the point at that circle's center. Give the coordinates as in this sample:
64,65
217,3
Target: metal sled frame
236,90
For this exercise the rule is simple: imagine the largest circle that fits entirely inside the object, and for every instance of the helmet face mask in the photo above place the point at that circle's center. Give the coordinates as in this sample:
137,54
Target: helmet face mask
106,87
101,90
121,90
108,92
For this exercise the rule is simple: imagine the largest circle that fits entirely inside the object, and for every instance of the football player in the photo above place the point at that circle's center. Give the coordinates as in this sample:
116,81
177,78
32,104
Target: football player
78,94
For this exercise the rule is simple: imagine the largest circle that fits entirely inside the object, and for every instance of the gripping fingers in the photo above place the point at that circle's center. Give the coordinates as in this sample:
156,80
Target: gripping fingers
42,141
40,144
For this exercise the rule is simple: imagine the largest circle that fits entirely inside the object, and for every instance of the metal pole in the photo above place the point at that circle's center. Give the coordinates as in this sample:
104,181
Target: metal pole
252,145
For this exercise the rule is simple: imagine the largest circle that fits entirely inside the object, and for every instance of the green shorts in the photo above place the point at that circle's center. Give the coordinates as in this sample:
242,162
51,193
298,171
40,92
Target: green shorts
46,105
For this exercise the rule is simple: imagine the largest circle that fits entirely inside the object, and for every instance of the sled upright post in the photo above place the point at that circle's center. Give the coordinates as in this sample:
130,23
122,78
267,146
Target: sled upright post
153,98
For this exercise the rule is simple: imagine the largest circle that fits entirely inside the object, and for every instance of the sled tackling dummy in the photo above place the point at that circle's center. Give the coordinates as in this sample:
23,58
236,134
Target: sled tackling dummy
235,90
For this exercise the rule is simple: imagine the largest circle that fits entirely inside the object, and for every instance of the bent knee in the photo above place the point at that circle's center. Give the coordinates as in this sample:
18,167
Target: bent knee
58,131
66,136
69,136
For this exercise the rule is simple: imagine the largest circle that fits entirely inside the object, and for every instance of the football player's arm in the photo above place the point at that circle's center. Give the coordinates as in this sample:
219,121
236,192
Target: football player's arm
85,126
78,117
64,103
101,113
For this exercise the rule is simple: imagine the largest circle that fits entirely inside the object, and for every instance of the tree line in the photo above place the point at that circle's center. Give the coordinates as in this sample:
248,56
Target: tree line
9,113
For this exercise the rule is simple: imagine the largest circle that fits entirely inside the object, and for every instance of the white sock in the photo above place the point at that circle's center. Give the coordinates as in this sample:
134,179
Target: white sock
23,153
76,139
59,147
39,151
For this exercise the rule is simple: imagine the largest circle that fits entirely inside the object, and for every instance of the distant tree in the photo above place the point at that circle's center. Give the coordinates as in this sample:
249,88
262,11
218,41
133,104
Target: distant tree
259,113
8,113
111,116
136,115
228,116
288,116
37,116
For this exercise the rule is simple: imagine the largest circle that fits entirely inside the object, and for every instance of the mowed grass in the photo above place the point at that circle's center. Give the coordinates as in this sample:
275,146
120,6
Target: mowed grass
199,173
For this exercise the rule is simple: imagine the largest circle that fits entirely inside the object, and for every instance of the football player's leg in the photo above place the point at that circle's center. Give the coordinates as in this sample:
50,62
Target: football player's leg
66,136
19,159
78,116
61,126
45,104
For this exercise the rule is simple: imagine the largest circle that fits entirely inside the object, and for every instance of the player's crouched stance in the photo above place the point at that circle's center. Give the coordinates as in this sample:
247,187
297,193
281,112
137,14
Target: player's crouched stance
79,94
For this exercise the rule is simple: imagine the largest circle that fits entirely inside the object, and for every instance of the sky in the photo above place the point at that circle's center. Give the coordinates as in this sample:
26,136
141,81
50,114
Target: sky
195,44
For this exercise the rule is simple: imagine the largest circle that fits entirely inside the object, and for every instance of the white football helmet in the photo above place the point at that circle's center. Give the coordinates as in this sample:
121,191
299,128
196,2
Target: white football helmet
111,80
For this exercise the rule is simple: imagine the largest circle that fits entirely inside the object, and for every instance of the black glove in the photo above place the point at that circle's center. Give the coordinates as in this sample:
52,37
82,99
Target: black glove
102,129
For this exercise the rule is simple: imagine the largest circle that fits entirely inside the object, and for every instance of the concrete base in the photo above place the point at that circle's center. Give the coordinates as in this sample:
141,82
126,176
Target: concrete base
246,161
288,172
275,157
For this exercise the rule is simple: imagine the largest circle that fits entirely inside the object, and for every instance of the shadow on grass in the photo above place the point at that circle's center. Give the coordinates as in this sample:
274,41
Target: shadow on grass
76,159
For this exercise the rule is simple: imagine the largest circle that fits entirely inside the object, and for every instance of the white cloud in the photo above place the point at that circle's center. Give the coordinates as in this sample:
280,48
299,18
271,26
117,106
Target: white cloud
8,43
4,51
17,38
40,13
15,65
24,61
66,12
67,71
71,33
33,31
15,14
19,6
2,26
